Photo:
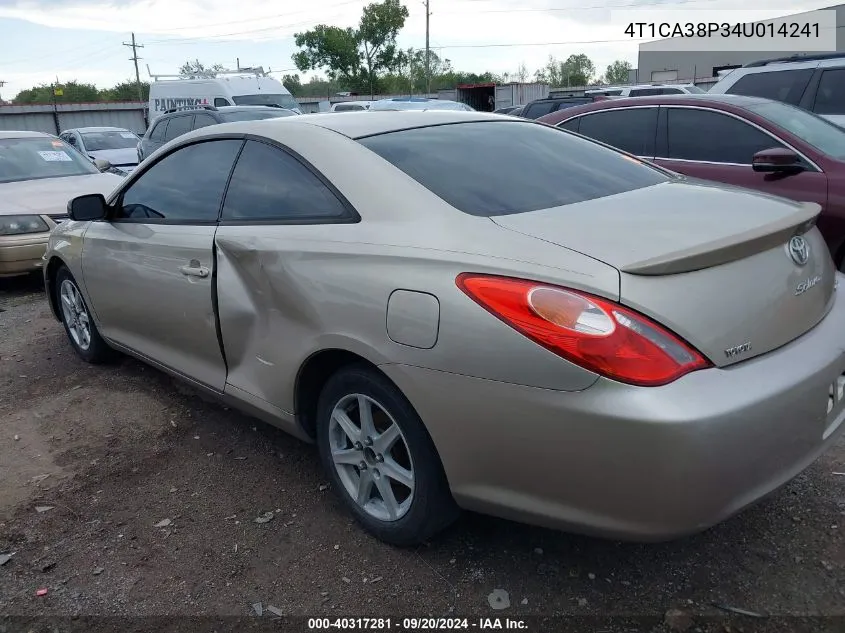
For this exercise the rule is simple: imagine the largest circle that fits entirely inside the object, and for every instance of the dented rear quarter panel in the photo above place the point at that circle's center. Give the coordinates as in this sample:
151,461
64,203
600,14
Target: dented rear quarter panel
288,291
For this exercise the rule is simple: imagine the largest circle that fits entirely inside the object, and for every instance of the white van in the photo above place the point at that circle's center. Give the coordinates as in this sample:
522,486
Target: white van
226,88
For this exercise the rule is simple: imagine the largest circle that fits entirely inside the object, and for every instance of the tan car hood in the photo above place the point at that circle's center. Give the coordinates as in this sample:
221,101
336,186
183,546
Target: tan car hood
51,195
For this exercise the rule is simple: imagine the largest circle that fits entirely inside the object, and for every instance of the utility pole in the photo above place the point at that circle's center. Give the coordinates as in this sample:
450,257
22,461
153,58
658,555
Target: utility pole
427,51
239,63
2,83
135,46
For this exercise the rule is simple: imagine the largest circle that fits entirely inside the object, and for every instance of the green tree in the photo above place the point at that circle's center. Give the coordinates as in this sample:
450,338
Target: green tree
355,57
126,91
577,70
293,84
195,69
69,92
618,72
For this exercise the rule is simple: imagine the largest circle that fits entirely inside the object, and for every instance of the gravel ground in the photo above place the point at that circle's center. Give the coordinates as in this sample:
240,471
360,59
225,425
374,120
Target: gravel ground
153,493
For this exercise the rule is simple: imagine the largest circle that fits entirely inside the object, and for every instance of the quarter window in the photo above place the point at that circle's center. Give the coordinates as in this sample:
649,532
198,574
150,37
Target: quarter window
785,85
713,137
185,186
572,124
630,129
830,98
270,184
219,102
158,131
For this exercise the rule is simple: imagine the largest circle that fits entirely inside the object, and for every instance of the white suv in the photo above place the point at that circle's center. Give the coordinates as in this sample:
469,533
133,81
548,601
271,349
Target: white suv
813,82
645,90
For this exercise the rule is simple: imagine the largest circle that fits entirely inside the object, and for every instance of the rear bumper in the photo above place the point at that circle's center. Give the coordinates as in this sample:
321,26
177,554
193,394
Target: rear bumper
22,254
636,463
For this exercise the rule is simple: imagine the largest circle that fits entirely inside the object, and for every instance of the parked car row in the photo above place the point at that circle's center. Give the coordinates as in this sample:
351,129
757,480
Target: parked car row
425,316
746,141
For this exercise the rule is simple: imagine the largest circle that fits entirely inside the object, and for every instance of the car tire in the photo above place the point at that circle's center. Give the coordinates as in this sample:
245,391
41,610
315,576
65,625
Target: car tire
79,325
397,450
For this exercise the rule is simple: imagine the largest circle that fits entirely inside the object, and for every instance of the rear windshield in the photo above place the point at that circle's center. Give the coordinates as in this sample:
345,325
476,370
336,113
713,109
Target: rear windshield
498,168
254,115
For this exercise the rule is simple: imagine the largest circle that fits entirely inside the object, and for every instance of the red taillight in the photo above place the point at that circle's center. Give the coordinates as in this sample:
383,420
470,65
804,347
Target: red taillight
594,333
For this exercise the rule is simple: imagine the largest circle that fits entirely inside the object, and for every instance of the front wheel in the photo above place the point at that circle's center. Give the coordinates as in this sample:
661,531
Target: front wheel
80,327
380,459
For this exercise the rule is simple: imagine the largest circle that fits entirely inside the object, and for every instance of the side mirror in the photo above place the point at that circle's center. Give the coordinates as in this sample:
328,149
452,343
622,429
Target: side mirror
88,207
101,164
777,160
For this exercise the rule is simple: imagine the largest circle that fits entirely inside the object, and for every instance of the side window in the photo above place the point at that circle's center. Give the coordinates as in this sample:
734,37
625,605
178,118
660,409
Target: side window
203,120
784,85
158,131
671,91
186,185
178,126
630,129
703,135
646,92
571,124
219,101
830,98
536,110
270,184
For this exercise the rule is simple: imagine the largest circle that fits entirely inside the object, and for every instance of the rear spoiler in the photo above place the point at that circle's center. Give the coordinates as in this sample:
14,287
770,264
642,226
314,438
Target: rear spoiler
728,249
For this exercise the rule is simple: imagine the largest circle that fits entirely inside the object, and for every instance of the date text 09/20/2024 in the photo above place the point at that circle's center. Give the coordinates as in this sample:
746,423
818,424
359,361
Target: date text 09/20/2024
415,624
792,30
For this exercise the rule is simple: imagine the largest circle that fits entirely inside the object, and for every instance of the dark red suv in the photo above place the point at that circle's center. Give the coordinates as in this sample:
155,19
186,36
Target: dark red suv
747,141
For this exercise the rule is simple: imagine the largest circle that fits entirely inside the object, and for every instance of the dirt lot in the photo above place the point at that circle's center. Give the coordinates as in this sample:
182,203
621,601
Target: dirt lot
114,451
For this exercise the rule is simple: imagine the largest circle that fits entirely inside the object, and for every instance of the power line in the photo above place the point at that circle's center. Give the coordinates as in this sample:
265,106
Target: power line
207,38
635,5
259,19
627,39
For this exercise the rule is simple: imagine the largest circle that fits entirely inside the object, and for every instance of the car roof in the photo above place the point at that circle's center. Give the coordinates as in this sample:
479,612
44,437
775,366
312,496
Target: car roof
23,134
97,129
726,101
360,124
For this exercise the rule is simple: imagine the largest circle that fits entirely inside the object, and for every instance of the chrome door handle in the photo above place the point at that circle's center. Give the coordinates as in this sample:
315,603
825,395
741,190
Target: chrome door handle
194,270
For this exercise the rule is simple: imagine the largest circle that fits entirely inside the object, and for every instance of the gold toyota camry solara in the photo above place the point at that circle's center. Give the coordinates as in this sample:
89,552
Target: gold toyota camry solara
467,310
39,173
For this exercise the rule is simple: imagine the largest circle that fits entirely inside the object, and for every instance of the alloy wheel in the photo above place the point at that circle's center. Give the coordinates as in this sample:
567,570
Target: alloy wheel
371,457
75,314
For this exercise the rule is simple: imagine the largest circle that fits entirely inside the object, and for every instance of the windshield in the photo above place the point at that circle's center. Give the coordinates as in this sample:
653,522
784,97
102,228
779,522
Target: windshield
114,139
470,165
285,101
40,157
254,115
695,90
815,131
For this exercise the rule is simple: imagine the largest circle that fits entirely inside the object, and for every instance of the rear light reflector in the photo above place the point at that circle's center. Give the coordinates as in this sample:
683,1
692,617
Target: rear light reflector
594,333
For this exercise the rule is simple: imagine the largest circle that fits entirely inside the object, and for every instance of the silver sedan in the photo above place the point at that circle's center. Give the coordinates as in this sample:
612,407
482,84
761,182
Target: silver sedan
588,342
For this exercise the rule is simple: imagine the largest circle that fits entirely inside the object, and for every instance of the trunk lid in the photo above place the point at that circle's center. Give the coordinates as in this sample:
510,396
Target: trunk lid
711,263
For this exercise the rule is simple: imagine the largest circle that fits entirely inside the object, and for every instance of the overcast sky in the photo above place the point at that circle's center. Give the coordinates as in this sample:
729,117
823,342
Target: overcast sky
82,39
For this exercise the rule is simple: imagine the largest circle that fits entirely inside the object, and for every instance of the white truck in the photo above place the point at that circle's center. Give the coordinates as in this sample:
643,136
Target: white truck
249,86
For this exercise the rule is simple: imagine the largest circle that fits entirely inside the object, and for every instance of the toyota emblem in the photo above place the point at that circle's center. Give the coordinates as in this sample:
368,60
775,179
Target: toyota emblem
799,250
